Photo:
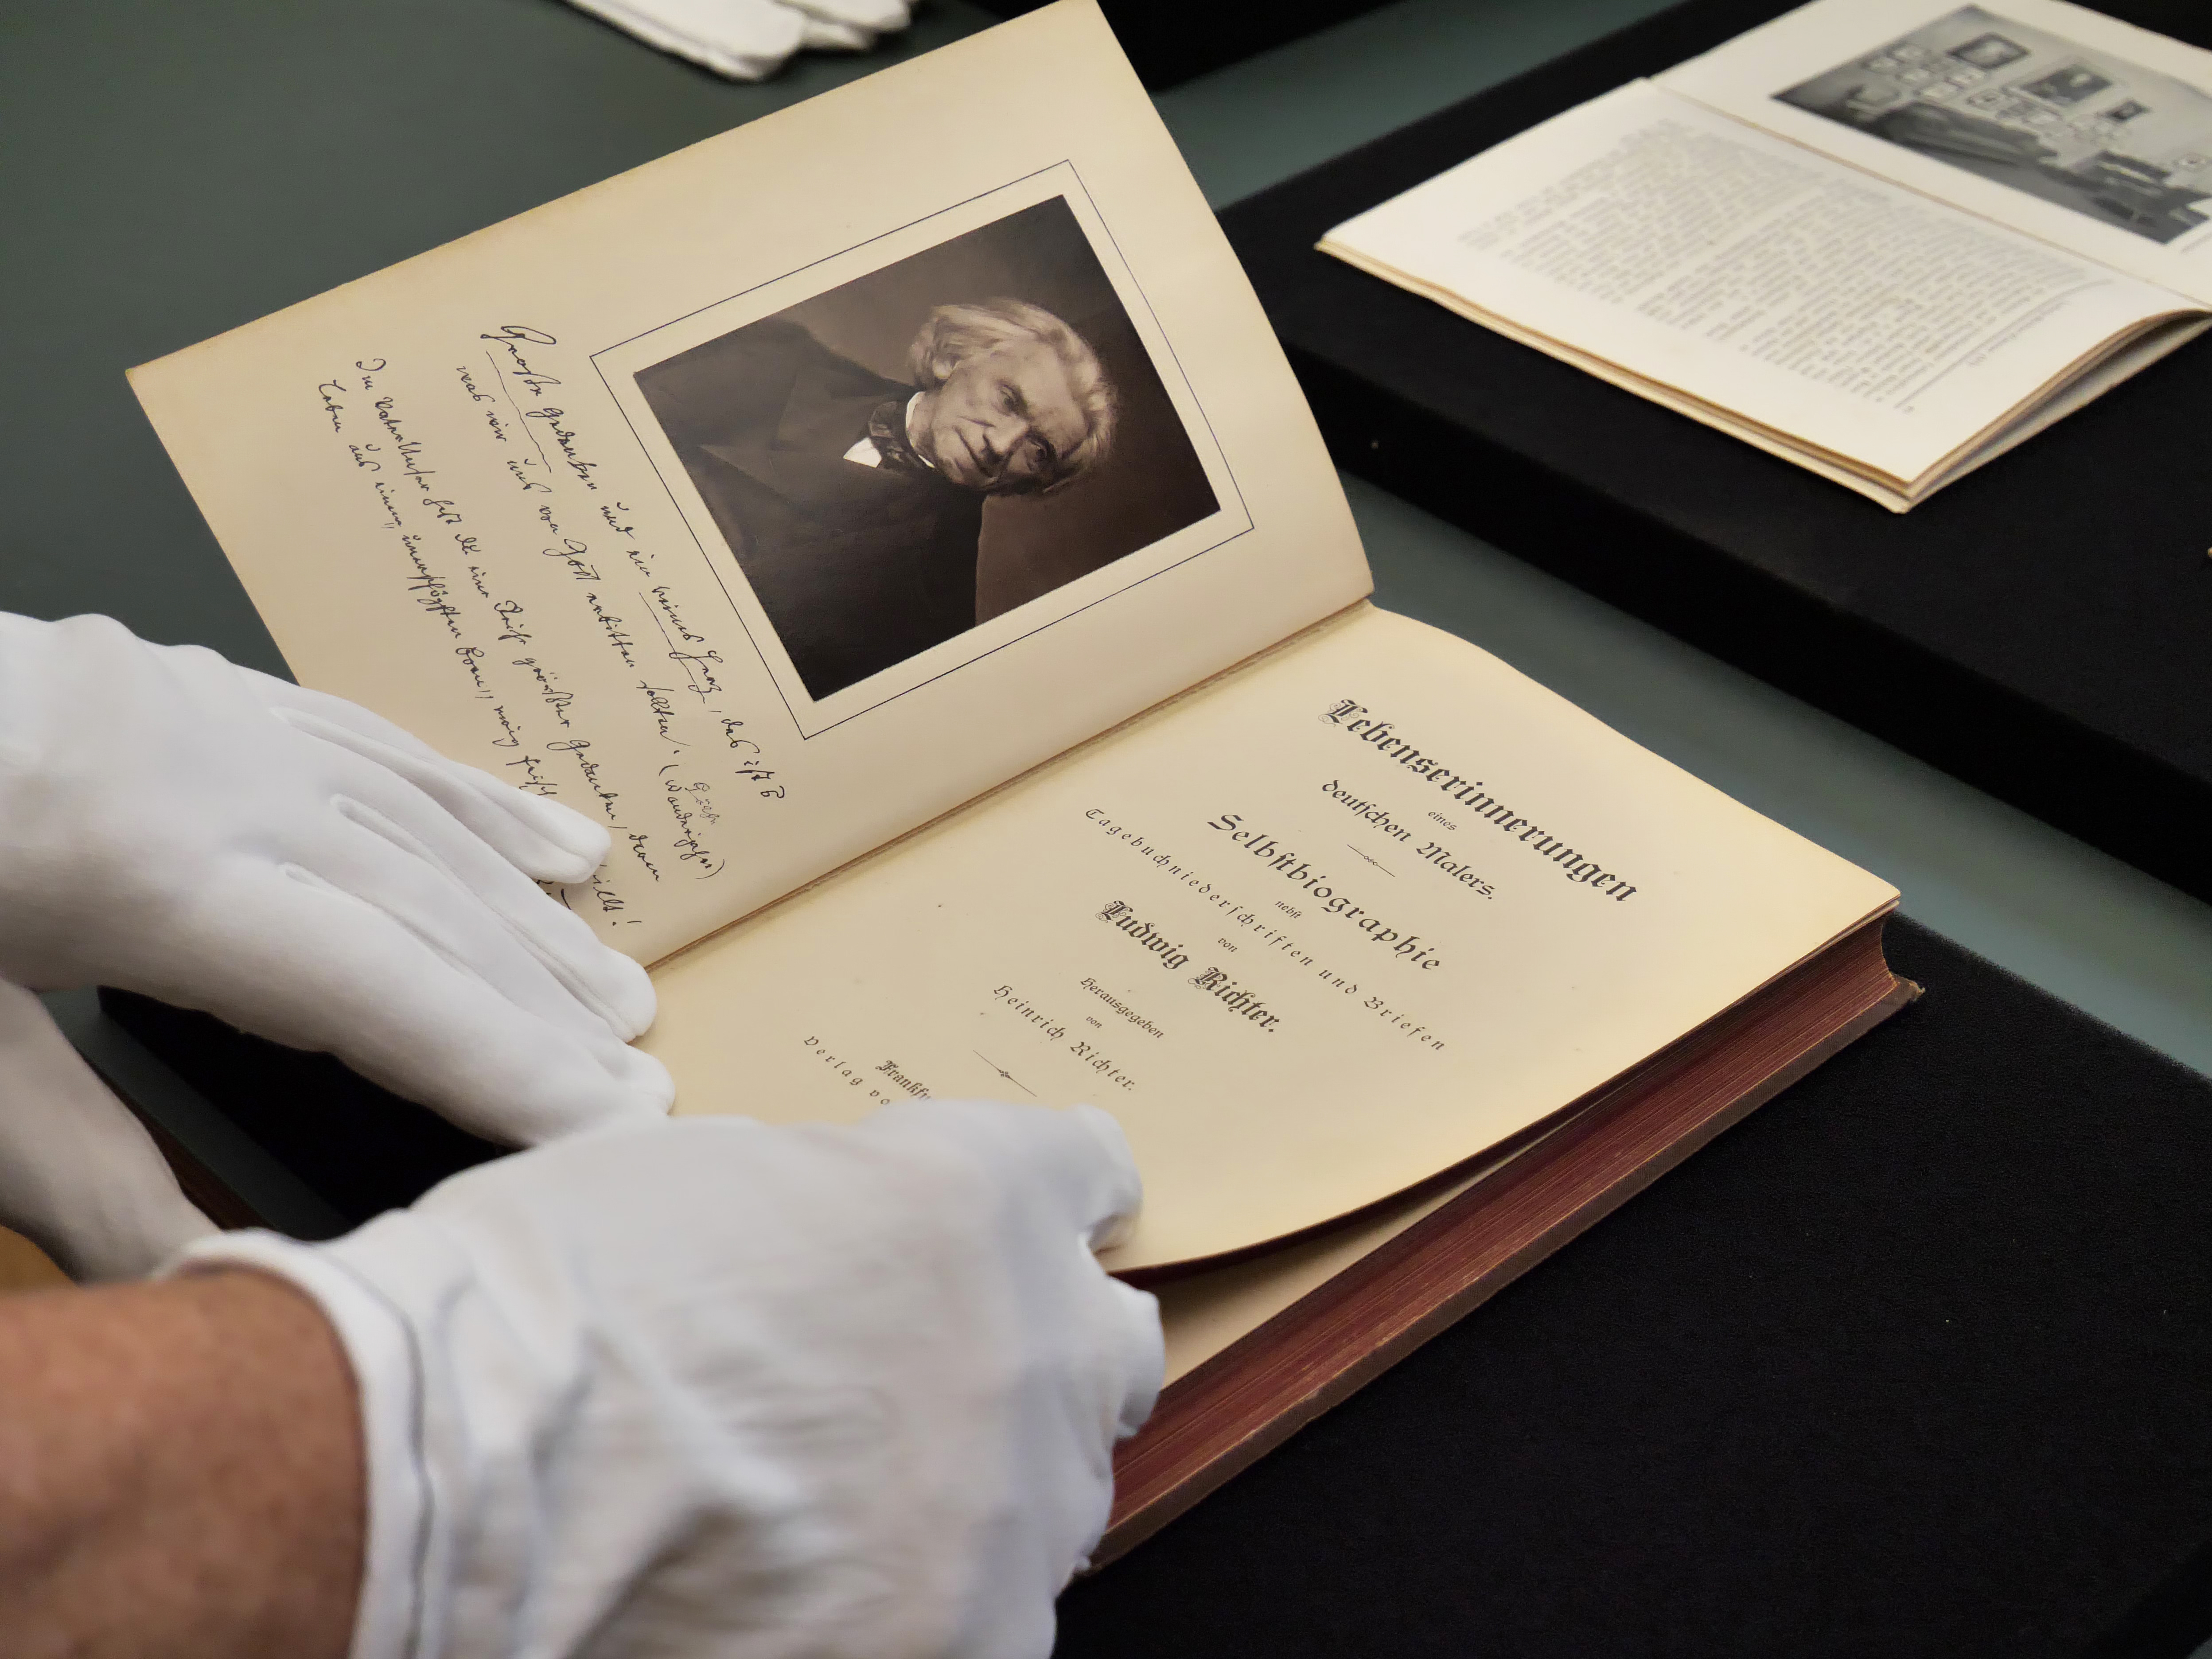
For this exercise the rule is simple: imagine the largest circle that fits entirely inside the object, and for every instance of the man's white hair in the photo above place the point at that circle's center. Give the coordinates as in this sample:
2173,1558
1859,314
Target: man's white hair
956,331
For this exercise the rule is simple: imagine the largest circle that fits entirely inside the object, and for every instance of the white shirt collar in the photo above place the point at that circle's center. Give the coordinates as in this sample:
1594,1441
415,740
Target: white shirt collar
864,452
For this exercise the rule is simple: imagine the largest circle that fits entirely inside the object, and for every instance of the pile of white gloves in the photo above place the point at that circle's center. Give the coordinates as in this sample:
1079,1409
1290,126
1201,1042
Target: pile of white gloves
750,39
651,1388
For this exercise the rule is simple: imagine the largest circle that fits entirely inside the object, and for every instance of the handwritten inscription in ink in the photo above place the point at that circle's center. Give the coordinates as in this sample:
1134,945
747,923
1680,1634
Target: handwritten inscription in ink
505,535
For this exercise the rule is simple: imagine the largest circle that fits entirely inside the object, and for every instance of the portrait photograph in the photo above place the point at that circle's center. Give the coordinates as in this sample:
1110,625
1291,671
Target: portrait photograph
902,458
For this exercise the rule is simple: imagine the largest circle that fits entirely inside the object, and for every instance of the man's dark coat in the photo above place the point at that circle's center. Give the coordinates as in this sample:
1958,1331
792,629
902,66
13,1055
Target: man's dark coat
858,567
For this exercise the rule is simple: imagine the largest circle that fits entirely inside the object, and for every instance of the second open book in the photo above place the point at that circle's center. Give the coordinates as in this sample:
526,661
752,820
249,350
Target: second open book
1887,240
1117,791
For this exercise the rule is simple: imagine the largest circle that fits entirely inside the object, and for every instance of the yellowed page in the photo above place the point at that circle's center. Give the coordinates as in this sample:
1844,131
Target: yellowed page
1863,321
2086,132
1333,923
541,496
1204,1312
2128,355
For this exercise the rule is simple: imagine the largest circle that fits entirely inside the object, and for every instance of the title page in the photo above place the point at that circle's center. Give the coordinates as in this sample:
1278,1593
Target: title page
1339,921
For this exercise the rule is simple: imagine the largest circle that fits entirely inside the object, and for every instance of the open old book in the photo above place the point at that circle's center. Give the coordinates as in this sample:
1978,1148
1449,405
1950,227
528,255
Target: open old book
934,577
1887,240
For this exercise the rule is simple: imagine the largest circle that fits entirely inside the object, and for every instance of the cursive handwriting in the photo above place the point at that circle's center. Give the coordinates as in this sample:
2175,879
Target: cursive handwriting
564,440
661,699
702,682
749,765
409,451
692,805
428,589
510,339
549,692
532,779
471,658
571,552
575,748
611,626
610,901
666,602
561,725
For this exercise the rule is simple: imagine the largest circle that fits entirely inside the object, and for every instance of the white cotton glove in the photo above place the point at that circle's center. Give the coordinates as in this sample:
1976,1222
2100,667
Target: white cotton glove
742,40
174,825
712,1387
865,18
79,1175
750,39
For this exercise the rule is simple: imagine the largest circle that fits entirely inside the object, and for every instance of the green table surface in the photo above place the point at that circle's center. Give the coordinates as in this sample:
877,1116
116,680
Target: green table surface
171,171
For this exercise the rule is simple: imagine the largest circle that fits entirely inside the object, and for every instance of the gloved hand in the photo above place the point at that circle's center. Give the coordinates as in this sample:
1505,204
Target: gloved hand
174,825
713,1387
79,1175
750,39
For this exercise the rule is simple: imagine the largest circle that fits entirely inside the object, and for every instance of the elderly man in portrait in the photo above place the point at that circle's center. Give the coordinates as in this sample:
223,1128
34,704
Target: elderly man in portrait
854,502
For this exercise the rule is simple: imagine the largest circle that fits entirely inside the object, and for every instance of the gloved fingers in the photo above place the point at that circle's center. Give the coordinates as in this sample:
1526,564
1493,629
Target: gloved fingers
1134,1317
468,1049
293,956
745,40
482,907
531,963
542,838
822,36
80,1176
1077,1160
1119,1192
1077,1163
877,16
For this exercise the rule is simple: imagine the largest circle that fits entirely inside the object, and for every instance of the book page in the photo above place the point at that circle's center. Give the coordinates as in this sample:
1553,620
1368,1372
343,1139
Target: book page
1809,300
782,494
2084,131
1203,1313
1331,925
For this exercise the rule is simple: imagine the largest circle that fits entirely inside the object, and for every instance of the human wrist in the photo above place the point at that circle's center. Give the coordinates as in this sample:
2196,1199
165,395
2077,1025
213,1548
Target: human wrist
282,1398
385,1370
466,1418
183,1473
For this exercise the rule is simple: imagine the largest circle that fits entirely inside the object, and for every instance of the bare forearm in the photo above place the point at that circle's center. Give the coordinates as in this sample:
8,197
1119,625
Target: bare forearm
180,1474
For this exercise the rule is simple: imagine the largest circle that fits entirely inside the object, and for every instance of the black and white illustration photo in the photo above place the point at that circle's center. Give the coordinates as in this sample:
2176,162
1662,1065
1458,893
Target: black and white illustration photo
2127,146
927,446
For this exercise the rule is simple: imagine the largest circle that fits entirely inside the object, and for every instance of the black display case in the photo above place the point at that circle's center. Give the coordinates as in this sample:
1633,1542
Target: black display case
2042,629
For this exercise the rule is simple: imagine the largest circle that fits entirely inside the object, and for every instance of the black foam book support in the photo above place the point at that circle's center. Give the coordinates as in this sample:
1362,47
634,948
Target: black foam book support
2042,629
1916,1360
